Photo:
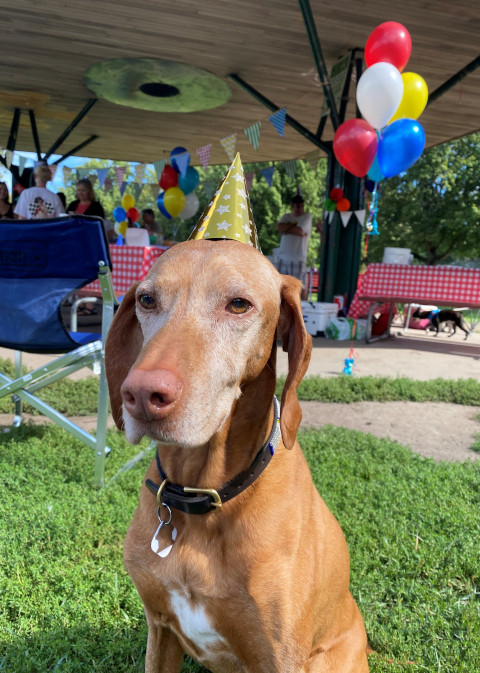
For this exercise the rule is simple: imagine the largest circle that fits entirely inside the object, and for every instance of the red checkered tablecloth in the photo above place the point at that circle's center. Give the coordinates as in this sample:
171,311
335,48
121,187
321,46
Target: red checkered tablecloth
439,285
130,263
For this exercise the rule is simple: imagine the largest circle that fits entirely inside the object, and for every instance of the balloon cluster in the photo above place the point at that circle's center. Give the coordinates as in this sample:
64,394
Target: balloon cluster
178,181
389,139
336,201
125,213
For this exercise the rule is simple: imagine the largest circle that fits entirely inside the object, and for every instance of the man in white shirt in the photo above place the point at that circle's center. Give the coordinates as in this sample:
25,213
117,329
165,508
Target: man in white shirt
36,203
295,228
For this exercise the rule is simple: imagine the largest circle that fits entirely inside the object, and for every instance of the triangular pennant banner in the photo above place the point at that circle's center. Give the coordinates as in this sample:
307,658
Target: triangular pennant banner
119,175
312,158
136,188
330,215
154,188
140,173
249,179
107,185
21,164
82,173
268,174
93,177
182,160
291,168
102,174
8,158
209,188
159,166
253,134
228,143
360,215
204,154
122,188
345,215
278,120
67,172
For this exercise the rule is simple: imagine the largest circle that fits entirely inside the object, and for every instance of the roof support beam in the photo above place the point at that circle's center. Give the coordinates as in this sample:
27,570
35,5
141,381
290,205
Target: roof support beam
12,138
33,124
325,146
75,149
319,61
70,127
455,79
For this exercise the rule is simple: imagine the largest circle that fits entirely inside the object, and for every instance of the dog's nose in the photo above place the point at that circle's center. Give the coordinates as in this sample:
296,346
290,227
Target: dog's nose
150,395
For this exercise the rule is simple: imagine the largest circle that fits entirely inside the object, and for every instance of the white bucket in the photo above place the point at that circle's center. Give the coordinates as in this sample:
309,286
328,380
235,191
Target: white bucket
397,256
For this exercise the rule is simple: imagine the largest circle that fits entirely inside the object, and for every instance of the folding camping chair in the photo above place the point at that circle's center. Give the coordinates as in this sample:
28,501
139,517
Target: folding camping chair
41,263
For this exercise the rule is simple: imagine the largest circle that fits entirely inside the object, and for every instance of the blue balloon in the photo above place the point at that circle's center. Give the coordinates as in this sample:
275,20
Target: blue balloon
399,146
189,182
173,153
375,172
119,214
161,207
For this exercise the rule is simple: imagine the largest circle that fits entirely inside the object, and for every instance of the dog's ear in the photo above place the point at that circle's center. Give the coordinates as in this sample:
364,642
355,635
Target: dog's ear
124,343
298,344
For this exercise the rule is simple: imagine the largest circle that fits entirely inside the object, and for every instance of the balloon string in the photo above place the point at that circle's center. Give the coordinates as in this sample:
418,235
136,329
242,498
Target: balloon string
371,224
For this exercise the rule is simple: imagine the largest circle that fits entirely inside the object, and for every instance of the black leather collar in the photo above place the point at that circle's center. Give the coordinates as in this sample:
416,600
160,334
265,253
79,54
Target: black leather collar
202,501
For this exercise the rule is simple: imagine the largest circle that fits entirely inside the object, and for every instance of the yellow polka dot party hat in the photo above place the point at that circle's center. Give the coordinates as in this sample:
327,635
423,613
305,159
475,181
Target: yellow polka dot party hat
228,215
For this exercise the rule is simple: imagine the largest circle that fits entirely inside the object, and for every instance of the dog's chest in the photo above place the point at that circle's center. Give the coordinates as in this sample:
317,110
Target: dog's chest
195,624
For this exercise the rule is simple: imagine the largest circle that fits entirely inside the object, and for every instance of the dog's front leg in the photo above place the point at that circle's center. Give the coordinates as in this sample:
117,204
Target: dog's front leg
164,652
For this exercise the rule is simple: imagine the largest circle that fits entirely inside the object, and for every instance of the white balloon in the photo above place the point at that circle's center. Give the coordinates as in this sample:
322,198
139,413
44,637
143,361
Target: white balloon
379,93
190,207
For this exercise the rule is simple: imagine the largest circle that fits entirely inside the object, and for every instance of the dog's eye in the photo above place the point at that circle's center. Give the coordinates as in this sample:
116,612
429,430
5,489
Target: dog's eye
147,301
239,306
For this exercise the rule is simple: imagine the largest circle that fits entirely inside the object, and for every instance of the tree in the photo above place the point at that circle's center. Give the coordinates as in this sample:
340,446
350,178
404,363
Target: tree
433,208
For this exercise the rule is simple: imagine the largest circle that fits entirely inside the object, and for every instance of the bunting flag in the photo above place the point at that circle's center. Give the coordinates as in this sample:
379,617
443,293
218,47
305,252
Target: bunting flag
182,160
102,174
159,166
204,154
122,188
312,158
330,215
107,185
291,168
154,188
278,120
345,215
249,179
119,175
67,173
361,215
229,144
253,134
93,177
209,188
140,173
268,174
82,173
136,188
21,165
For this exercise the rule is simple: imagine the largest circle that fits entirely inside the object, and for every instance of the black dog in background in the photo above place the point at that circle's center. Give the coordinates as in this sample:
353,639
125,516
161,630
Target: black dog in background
447,315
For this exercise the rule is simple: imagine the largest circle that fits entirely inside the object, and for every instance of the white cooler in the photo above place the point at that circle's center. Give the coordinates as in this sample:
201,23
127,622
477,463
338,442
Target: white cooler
317,315
397,256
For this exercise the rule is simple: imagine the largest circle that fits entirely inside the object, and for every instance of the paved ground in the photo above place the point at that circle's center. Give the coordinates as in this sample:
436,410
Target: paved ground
442,431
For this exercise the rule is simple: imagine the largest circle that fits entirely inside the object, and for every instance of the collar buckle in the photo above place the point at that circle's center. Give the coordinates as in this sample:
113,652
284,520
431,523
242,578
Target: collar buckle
206,491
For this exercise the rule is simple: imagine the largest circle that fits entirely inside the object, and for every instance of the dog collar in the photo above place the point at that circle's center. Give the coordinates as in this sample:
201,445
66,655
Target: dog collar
203,500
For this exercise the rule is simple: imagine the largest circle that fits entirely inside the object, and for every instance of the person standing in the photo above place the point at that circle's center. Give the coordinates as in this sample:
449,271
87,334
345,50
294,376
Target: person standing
295,228
6,210
36,203
86,203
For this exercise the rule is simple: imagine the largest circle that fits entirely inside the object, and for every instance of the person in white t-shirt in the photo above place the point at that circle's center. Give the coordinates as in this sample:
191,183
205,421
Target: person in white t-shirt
295,228
37,203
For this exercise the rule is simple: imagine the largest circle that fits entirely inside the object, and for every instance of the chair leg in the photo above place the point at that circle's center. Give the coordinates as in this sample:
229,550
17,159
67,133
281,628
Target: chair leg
17,421
101,450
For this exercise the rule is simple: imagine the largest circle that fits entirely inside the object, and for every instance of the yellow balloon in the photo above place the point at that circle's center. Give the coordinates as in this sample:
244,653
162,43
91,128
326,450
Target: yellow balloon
122,227
414,99
128,201
174,201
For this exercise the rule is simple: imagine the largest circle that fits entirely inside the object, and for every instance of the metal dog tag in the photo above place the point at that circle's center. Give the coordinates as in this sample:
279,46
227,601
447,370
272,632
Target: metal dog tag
155,544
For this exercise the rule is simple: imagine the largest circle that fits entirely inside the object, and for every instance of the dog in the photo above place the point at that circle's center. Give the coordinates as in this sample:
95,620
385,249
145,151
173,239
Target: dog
455,318
234,554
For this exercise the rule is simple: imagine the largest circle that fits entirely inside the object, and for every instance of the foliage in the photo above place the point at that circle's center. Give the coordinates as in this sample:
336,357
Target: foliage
68,605
434,207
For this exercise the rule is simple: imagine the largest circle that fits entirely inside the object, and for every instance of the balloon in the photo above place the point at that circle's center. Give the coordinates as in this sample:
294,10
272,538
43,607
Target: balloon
414,99
379,92
169,178
121,228
390,42
174,201
189,182
399,146
329,205
343,205
161,206
128,201
133,214
173,153
355,145
119,214
369,185
375,172
336,194
191,206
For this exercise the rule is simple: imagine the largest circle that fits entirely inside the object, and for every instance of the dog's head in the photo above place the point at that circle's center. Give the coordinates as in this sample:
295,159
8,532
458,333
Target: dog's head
188,339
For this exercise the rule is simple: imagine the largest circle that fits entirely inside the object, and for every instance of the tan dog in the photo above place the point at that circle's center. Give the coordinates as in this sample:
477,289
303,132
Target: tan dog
259,584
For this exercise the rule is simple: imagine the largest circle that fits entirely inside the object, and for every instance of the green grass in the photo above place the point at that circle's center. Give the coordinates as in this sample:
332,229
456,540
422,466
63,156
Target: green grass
68,605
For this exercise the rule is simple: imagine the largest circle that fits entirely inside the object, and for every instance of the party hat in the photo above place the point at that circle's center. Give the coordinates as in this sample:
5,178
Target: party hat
228,215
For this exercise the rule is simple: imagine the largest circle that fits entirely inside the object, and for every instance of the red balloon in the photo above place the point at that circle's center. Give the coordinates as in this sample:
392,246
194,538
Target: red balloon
169,178
133,214
390,42
336,194
355,146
